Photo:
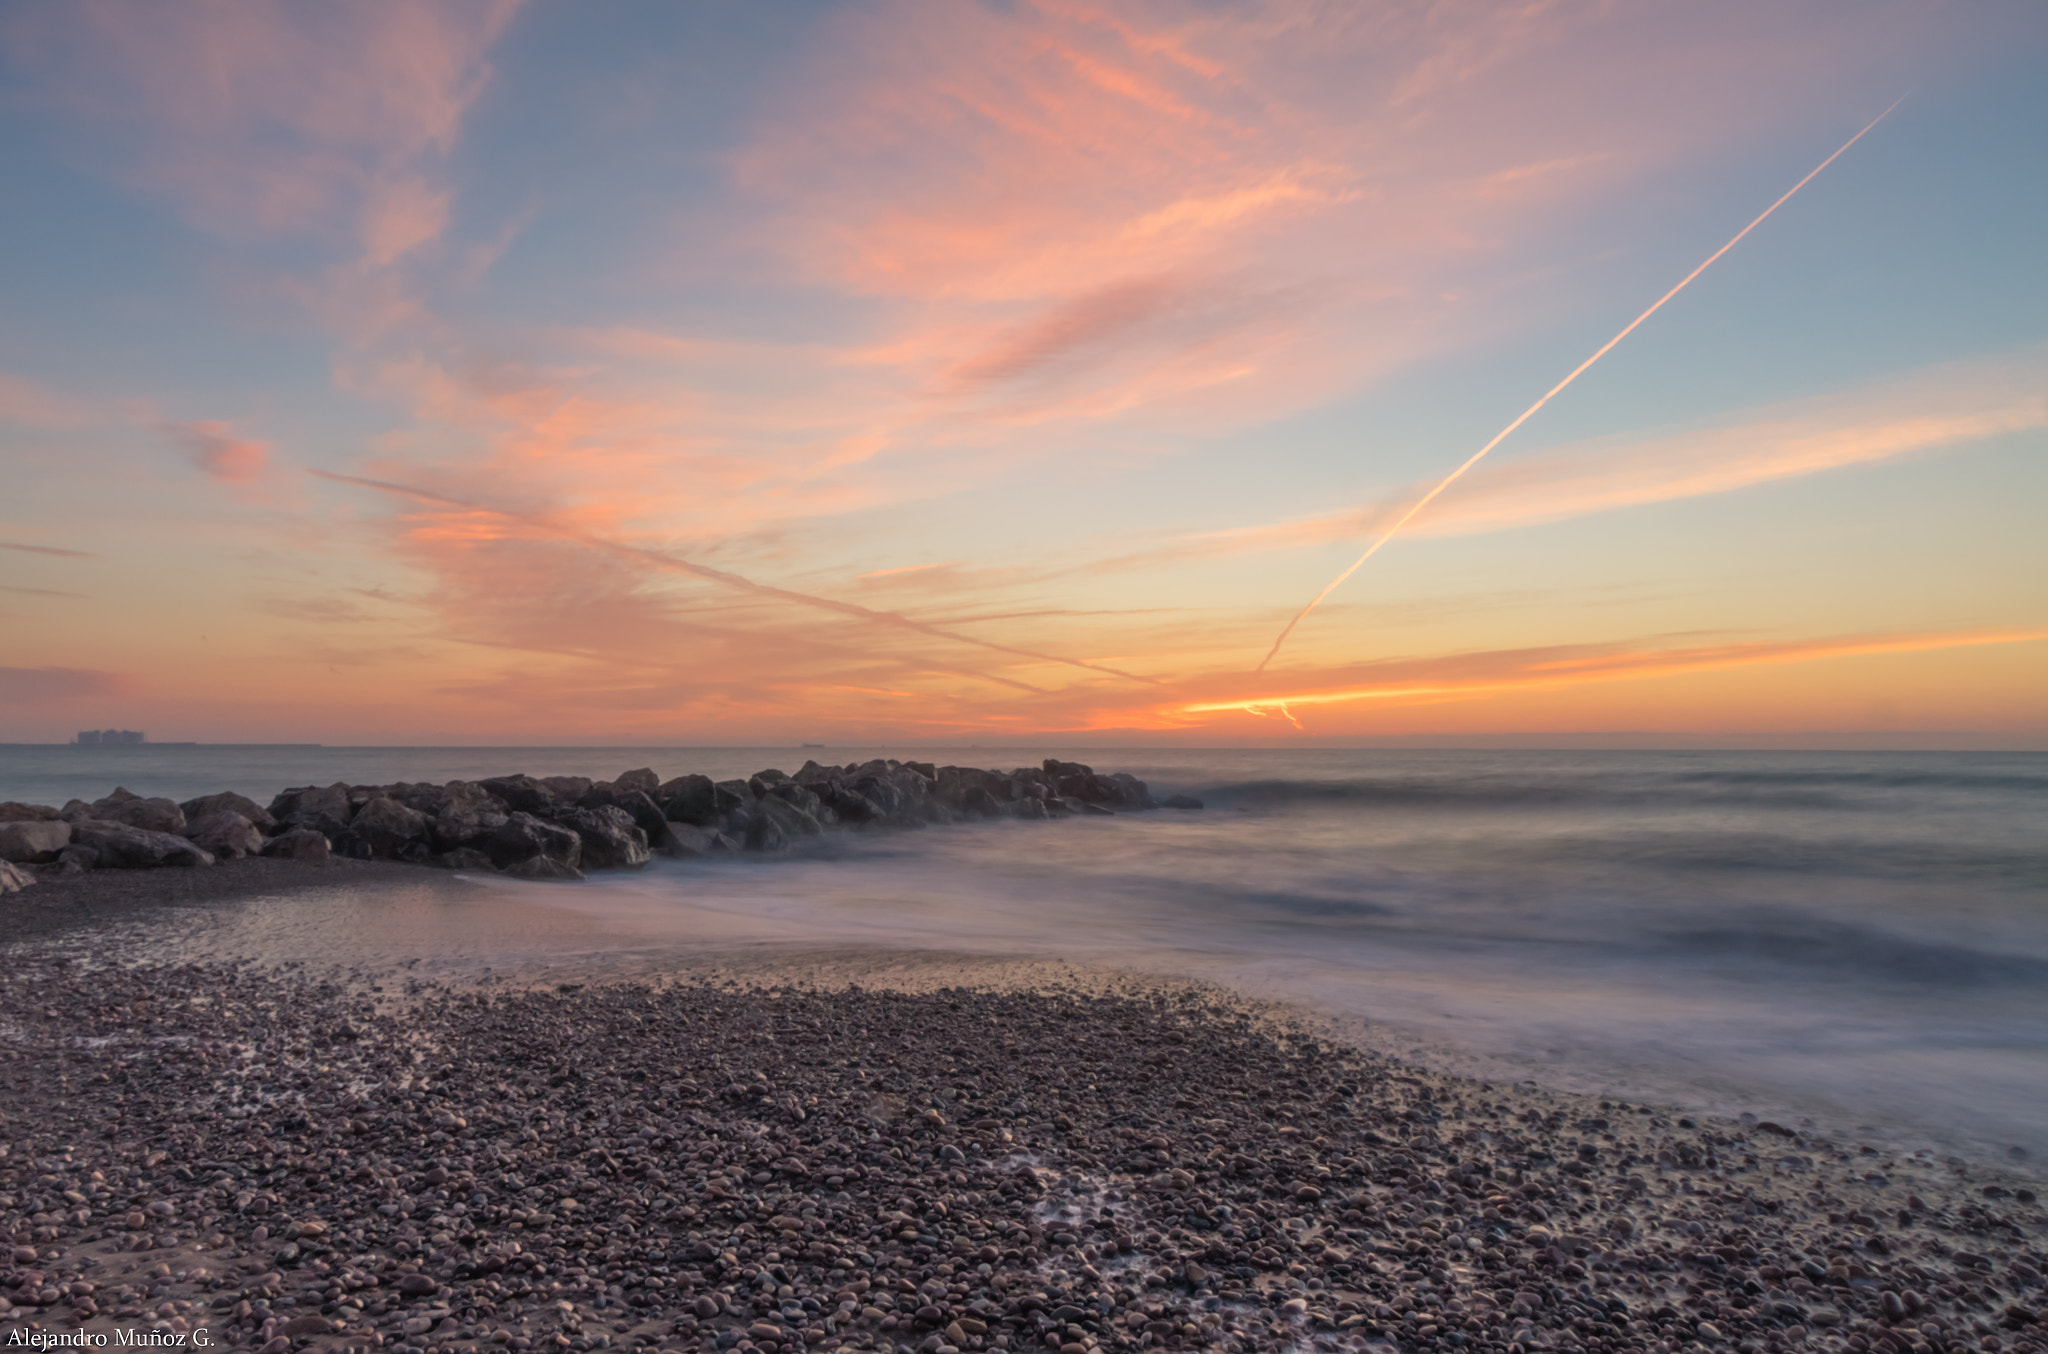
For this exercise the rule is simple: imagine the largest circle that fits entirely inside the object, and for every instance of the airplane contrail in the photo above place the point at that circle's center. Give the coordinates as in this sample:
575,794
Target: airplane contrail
1500,436
675,564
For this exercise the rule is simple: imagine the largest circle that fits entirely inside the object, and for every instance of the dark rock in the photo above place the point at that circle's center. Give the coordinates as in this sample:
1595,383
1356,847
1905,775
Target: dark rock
686,841
151,815
13,811
468,815
13,879
637,804
229,835
567,787
33,840
542,869
972,791
524,836
305,844
522,794
325,809
227,801
642,780
390,831
688,799
121,847
464,858
759,832
611,839
802,799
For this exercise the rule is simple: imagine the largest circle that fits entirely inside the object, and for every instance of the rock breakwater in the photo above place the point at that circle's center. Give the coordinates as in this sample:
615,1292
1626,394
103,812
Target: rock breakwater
550,827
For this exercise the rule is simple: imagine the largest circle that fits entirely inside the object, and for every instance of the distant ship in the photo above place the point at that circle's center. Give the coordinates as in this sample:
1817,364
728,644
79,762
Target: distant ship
110,738
810,745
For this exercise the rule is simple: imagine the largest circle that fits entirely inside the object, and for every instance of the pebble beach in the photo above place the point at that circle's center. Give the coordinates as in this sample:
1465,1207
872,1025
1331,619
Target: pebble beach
941,1156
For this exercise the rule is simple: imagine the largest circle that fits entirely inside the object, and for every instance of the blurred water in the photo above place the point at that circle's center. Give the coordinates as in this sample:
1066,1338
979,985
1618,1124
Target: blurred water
1858,936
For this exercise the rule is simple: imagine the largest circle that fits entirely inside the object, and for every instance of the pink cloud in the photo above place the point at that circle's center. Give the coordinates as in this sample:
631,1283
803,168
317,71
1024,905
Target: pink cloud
213,449
27,402
272,116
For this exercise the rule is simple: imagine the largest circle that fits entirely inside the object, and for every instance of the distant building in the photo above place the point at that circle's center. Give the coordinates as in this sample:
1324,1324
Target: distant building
110,738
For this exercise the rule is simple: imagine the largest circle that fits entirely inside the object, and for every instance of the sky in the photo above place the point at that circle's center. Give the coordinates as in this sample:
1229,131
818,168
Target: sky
477,371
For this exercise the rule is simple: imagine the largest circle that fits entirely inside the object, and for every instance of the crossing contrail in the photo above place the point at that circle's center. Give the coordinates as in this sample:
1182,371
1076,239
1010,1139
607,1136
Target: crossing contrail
1498,437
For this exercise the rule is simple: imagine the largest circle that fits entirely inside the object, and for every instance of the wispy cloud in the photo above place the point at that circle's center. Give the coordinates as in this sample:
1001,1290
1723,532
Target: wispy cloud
62,686
1938,410
56,550
270,116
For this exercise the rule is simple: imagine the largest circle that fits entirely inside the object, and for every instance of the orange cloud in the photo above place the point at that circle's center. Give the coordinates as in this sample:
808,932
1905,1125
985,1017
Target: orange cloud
472,522
1478,675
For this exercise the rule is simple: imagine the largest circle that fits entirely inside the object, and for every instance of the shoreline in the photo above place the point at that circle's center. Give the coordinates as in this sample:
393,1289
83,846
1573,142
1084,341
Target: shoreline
310,1158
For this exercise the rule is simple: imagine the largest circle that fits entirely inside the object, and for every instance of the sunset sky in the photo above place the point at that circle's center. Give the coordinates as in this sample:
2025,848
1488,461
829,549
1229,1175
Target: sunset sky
724,373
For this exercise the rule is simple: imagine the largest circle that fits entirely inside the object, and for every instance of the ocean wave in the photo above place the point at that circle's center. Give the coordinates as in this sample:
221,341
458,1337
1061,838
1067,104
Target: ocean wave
1860,952
1892,779
1488,793
1753,853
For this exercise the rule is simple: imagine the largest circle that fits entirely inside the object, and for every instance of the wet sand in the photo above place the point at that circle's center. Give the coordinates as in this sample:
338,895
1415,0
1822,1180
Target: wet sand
786,1150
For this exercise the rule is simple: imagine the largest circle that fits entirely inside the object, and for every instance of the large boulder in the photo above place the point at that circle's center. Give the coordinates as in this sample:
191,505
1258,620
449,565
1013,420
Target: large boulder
469,815
325,809
14,811
570,788
611,839
688,799
637,804
759,832
795,809
151,815
847,804
643,780
117,846
522,793
227,801
970,789
384,829
524,836
228,835
306,845
33,841
13,879
424,797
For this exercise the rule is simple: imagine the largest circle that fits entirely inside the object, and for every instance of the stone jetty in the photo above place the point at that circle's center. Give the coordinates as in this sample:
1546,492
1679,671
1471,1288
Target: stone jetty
549,827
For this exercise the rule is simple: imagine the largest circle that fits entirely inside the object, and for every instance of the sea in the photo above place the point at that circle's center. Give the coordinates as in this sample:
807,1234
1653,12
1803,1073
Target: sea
1855,938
